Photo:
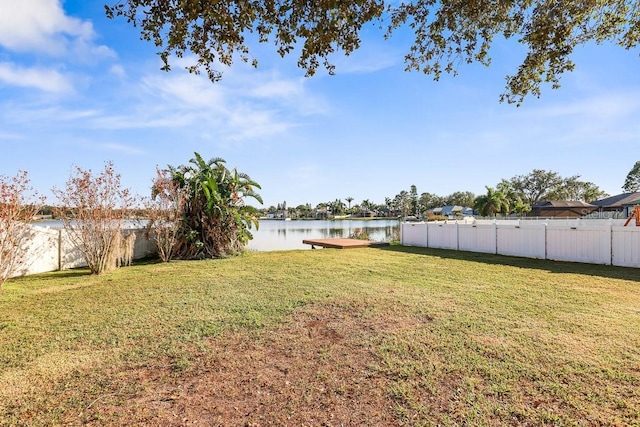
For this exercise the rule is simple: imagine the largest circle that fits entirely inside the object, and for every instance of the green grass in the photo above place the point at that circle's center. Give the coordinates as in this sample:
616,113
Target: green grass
478,339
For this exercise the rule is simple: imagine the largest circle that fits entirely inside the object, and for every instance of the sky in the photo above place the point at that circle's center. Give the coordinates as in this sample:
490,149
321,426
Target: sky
78,90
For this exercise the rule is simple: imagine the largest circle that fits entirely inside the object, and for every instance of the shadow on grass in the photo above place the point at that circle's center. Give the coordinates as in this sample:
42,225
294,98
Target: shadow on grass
77,272
54,275
608,271
146,261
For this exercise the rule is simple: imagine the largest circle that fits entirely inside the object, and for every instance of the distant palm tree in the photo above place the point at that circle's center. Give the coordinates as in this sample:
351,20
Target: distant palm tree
366,207
349,200
494,202
389,203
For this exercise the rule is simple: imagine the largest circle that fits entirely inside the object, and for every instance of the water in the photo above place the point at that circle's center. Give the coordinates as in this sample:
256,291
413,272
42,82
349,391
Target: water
276,235
285,235
56,223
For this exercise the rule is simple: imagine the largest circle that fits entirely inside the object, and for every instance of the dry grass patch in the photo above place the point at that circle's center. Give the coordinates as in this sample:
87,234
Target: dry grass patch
313,369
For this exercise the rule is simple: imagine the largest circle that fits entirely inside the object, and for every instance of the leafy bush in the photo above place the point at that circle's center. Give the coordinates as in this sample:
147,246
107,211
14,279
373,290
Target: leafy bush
216,221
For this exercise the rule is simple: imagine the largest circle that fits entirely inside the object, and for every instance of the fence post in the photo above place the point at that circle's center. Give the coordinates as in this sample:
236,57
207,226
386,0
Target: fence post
59,249
611,243
427,233
545,241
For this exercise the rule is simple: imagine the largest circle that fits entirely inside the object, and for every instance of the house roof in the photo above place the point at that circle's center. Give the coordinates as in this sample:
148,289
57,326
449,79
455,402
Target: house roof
561,204
620,200
562,208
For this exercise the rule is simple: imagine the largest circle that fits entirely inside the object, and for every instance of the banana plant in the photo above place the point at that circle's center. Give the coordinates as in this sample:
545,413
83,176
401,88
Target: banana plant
217,219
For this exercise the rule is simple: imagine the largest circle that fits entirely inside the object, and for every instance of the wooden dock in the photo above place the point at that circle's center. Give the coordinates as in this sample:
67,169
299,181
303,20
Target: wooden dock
343,243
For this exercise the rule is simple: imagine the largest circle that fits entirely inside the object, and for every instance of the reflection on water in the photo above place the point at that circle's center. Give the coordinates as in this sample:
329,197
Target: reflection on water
276,235
282,235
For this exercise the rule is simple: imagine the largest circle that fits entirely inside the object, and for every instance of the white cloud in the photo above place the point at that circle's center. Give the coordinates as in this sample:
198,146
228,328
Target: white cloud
243,106
41,78
369,58
592,120
32,115
604,106
240,82
144,120
118,71
41,26
190,90
274,88
246,123
121,148
10,136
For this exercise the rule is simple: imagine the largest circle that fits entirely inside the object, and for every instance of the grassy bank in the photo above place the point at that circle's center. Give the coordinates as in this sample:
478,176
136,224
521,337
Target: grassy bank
393,336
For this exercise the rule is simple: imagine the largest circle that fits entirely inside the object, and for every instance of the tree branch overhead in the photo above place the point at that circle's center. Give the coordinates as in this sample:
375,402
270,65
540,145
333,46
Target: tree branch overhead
446,33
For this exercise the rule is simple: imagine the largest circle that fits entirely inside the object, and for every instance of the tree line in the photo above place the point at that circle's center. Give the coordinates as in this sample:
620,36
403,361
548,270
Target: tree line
516,195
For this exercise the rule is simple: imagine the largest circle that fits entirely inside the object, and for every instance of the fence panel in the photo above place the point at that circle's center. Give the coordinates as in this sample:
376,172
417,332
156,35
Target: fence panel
594,242
70,255
442,236
41,254
414,234
144,246
588,244
477,238
625,246
526,240
43,251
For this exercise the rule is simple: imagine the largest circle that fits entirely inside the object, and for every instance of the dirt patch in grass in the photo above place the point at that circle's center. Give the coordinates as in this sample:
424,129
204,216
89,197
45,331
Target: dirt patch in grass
316,369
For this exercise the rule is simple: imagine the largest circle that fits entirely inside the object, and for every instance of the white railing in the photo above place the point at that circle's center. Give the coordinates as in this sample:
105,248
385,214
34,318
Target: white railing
577,240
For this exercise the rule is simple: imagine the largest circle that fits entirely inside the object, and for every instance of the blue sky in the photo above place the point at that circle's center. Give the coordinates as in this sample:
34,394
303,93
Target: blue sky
77,89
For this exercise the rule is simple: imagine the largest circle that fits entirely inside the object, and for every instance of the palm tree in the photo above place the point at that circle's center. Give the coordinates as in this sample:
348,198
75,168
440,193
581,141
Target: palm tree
217,219
337,207
389,203
402,202
349,200
492,203
366,207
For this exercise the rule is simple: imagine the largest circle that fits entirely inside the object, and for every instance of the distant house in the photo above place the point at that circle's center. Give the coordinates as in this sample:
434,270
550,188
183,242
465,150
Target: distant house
620,206
452,211
366,213
562,209
322,213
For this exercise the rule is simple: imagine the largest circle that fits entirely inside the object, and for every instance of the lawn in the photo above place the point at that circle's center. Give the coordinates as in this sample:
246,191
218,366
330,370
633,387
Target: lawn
390,336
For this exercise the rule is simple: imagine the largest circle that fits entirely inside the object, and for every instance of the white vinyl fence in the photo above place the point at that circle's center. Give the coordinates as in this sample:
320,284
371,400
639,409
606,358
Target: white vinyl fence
588,241
49,249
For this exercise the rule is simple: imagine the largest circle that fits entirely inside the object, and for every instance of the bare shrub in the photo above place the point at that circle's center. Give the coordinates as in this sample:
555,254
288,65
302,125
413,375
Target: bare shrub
94,209
165,212
18,205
